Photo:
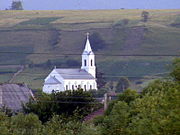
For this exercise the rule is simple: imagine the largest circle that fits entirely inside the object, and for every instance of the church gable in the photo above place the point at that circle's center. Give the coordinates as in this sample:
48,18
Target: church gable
52,80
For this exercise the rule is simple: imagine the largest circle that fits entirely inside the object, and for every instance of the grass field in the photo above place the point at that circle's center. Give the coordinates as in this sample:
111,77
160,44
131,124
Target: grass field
57,33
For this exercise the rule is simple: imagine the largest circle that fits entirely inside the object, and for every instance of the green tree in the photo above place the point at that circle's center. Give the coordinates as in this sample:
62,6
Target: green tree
67,103
116,122
4,124
16,5
157,111
176,70
145,16
123,84
101,81
60,125
26,124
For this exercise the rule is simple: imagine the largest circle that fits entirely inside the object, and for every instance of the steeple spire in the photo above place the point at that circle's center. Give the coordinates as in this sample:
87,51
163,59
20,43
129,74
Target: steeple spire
87,49
88,59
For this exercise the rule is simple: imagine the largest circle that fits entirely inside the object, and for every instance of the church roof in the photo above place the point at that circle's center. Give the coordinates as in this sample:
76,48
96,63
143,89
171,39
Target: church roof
52,80
88,50
74,74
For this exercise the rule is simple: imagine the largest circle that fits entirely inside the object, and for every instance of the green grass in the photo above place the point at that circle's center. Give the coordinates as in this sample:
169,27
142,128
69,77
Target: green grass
34,77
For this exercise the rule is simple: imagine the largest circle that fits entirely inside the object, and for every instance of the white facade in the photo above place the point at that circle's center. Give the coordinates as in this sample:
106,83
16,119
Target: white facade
72,79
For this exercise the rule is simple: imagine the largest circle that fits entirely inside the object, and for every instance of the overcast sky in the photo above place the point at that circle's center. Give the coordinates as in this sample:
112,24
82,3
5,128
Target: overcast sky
94,4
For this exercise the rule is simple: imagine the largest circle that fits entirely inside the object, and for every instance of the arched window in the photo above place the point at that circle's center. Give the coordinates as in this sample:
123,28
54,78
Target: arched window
85,63
72,87
91,62
66,87
85,87
90,87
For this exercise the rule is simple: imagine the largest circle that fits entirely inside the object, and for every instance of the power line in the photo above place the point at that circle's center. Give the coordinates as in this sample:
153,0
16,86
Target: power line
98,54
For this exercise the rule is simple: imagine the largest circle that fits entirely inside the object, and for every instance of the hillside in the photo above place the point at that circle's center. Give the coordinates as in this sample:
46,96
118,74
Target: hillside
40,38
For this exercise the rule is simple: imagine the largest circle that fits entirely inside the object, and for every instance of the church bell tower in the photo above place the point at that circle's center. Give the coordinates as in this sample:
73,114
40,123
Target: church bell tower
88,59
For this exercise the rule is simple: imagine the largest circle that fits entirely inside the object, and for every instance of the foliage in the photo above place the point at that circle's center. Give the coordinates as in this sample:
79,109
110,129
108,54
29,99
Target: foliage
6,110
176,70
67,103
123,84
117,120
155,111
128,96
30,125
16,5
121,23
145,16
101,82
99,92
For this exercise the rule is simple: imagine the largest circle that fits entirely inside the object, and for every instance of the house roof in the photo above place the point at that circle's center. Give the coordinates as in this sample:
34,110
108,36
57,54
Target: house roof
13,96
52,80
74,74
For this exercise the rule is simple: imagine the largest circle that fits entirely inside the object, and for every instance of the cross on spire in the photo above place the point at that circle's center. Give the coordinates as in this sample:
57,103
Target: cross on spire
87,35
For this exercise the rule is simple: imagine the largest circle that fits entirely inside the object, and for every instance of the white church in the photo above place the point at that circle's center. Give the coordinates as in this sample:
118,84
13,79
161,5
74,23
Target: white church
71,79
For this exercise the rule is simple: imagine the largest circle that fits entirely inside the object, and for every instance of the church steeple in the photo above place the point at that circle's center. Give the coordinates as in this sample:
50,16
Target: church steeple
88,58
87,49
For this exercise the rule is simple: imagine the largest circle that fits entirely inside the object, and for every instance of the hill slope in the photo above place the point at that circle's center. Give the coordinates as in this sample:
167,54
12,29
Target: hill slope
42,39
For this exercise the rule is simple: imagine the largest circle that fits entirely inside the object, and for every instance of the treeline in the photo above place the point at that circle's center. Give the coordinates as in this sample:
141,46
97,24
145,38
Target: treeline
155,111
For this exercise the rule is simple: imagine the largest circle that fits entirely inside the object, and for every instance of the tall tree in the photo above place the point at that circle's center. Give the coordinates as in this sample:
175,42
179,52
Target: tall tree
145,16
16,5
123,84
59,103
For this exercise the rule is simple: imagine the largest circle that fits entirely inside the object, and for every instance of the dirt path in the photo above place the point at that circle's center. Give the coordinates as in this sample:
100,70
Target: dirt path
94,114
17,73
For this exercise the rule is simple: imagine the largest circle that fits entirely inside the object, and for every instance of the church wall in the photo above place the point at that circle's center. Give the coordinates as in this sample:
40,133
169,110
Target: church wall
71,84
48,88
88,65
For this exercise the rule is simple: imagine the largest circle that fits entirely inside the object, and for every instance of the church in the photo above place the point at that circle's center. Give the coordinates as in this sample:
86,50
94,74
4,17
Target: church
71,79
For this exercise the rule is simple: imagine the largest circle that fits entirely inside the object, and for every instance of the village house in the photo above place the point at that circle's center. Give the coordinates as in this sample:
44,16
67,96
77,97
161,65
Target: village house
71,79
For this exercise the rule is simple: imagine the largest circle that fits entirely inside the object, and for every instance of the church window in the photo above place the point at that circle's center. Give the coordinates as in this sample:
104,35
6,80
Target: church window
84,87
85,63
66,87
90,87
91,62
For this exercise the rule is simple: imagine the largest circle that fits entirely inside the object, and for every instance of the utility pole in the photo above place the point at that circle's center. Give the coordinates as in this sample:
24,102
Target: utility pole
105,101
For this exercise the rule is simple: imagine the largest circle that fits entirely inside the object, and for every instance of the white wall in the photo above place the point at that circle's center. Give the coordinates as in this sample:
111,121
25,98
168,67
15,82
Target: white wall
48,88
91,69
70,82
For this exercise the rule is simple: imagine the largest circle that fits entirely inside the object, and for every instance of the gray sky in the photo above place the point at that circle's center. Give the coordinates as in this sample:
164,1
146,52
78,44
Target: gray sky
94,4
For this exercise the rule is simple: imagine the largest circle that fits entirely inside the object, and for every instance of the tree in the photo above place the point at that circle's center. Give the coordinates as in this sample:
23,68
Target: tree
16,5
123,84
101,82
145,16
176,70
26,124
62,103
